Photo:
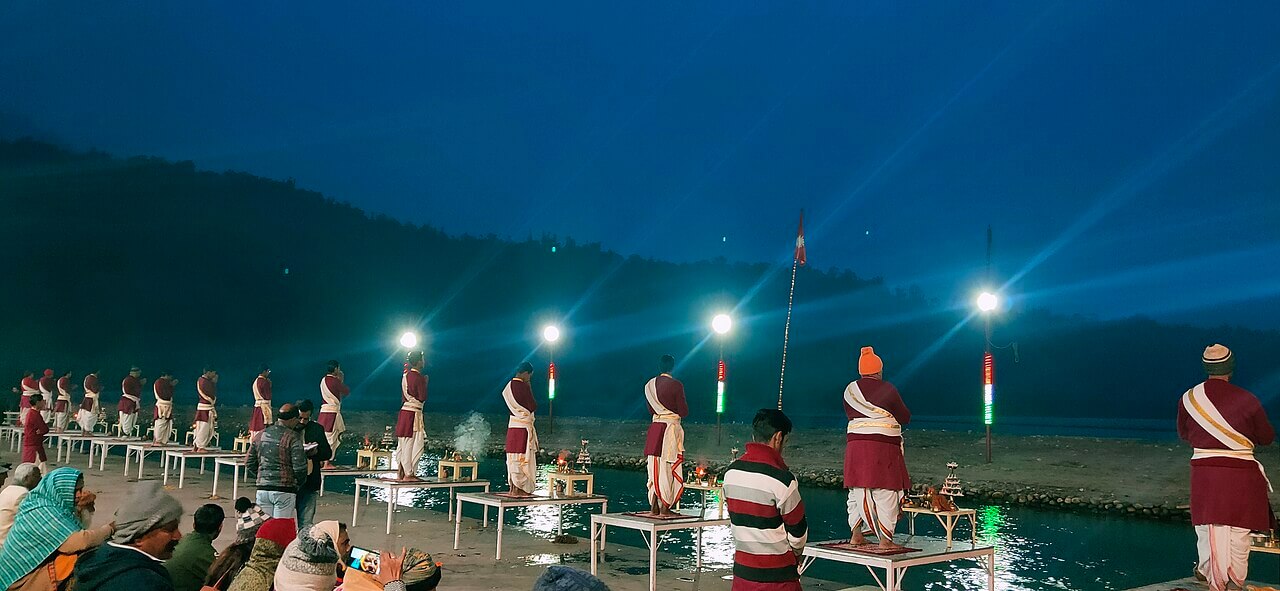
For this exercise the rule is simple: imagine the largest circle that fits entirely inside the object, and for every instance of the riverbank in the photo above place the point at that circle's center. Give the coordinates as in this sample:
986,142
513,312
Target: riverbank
1117,476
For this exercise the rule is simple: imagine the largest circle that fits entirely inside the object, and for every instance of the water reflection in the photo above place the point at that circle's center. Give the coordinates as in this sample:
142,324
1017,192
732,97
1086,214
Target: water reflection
1035,550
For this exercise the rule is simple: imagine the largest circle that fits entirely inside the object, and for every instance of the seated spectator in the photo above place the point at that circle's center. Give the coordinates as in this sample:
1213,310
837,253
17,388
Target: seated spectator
146,534
25,478
249,517
48,534
194,554
272,538
310,562
563,578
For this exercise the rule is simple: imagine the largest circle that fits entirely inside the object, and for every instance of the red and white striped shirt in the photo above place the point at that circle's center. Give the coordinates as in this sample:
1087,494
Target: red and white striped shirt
768,520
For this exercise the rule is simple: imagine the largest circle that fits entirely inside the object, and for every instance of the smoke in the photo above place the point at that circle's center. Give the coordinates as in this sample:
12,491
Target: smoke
471,435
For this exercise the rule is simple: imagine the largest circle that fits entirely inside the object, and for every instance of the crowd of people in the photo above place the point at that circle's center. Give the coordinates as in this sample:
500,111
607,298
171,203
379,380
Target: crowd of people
48,542
46,538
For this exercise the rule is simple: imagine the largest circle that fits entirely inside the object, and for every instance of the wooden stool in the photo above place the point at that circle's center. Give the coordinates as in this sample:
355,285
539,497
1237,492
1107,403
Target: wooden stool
570,480
456,468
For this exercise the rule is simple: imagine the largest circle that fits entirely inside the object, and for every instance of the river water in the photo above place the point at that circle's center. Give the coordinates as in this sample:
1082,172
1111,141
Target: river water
1035,549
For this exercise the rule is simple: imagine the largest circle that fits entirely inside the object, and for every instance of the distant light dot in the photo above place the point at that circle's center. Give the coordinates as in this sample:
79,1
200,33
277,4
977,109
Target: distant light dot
553,249
868,232
286,270
724,238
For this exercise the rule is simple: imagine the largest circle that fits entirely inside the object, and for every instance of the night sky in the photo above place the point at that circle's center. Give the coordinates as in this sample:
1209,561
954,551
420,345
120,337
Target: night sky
1125,153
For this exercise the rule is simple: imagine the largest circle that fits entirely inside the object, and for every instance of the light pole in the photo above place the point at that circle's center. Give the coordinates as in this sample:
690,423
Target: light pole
721,324
550,334
987,303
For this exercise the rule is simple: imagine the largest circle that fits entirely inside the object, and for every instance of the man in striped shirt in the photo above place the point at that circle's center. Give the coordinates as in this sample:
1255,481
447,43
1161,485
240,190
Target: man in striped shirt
769,528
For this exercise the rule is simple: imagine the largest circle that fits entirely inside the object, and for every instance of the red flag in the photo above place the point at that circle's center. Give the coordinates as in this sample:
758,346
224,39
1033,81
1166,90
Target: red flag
800,240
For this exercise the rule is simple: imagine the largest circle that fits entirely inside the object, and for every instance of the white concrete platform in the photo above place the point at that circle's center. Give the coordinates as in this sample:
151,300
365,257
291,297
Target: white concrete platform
393,488
651,530
342,471
180,457
142,448
502,503
932,551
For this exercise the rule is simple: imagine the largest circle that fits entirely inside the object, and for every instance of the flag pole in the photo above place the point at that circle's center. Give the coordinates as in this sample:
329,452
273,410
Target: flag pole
786,331
797,260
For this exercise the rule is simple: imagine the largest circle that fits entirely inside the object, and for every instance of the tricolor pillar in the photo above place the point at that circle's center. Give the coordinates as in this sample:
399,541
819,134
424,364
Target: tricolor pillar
719,397
988,395
551,398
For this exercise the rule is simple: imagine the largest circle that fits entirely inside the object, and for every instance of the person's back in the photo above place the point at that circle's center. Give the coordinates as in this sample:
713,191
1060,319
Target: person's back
194,555
766,511
25,478
272,458
113,567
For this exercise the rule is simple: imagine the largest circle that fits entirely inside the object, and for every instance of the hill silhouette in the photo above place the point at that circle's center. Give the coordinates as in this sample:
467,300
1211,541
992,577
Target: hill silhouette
117,261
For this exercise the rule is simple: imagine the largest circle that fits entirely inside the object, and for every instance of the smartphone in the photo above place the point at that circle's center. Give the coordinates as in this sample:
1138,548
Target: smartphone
365,560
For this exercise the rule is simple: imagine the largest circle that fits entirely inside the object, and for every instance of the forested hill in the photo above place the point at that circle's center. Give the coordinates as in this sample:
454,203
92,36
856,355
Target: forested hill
111,262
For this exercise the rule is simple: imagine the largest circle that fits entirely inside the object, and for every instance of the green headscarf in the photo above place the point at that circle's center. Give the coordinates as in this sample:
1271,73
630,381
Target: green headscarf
46,518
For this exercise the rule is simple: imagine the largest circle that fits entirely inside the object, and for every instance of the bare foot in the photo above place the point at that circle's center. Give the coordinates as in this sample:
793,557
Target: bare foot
888,544
516,492
328,466
858,538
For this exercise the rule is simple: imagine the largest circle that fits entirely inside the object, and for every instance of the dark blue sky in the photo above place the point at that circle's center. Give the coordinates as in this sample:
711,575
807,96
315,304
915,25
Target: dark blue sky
1126,153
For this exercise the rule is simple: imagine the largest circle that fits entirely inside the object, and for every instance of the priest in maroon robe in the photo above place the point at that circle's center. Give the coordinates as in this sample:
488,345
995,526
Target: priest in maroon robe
88,415
1223,423
664,443
411,430
333,388
260,419
130,400
875,471
162,425
522,437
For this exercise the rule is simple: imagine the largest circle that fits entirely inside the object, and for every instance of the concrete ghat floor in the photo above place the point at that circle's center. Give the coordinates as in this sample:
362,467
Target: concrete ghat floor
470,568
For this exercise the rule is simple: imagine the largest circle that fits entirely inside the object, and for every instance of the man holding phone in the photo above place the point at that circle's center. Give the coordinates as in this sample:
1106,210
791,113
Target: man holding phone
316,446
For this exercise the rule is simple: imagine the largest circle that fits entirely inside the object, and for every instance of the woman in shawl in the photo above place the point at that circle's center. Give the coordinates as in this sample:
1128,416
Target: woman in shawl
310,563
49,534
272,538
229,563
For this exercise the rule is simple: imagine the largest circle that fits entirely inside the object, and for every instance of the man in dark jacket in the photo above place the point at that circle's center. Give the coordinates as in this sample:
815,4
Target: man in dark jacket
318,451
280,462
146,534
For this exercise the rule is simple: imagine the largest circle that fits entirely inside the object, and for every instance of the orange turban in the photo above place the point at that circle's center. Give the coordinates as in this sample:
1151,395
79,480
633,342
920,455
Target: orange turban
869,363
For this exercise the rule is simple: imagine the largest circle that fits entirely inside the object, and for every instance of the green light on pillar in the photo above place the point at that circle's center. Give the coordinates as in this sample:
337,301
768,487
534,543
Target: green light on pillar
720,389
551,382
